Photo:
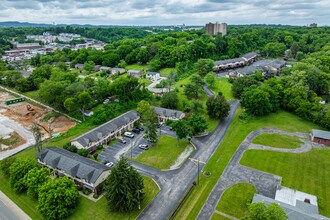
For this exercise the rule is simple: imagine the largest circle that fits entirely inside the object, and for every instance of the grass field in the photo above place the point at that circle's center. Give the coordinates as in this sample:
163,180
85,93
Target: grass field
236,199
164,153
32,94
224,86
278,141
165,71
217,216
86,209
308,172
236,133
137,67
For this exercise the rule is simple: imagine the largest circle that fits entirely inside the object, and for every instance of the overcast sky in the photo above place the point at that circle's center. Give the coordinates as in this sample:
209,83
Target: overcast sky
165,12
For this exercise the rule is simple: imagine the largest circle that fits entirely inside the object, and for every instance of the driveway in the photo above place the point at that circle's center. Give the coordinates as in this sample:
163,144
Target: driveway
175,183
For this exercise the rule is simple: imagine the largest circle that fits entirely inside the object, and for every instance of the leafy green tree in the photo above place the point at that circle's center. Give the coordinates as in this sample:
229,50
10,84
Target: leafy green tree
57,198
217,107
17,171
155,64
197,123
196,106
5,165
171,80
150,122
80,102
259,211
204,66
143,107
274,49
170,100
197,81
243,83
89,66
210,79
37,136
181,129
124,187
191,91
34,179
256,102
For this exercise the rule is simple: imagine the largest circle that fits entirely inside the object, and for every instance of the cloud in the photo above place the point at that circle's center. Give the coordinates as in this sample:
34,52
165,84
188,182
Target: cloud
158,12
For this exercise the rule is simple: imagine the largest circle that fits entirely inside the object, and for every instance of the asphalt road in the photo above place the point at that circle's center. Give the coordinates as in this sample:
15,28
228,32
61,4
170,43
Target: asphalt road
175,183
9,210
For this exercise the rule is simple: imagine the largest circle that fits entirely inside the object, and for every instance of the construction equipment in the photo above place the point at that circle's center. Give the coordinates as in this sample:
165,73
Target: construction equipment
29,108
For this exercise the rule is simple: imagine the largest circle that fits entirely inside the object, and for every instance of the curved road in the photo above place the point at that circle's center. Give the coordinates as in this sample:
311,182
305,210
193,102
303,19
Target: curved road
175,183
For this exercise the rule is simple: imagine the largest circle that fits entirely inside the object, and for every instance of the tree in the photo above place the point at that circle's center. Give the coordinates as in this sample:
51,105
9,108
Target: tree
170,100
197,123
241,84
204,66
259,211
143,107
256,102
57,198
210,79
34,179
37,136
190,91
80,102
17,171
5,165
181,129
89,66
171,80
150,121
124,187
197,81
274,49
217,107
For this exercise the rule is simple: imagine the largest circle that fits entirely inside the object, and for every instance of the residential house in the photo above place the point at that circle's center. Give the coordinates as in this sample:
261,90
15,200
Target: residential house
97,68
297,205
321,137
164,114
134,73
153,76
107,131
246,59
105,69
250,57
83,171
79,66
118,70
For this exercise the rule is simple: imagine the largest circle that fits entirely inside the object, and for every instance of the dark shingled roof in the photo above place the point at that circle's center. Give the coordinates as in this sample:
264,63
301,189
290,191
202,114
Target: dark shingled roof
72,163
249,55
97,133
224,62
168,112
152,73
321,134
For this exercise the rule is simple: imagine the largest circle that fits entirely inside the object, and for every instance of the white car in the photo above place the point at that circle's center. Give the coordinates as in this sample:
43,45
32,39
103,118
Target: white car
129,134
109,164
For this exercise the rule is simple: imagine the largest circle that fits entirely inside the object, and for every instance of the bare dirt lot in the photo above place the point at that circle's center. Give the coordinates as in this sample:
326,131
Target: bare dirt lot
26,114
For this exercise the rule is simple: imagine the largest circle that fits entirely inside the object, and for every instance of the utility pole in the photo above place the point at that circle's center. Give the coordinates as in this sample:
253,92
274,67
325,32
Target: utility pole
197,161
139,199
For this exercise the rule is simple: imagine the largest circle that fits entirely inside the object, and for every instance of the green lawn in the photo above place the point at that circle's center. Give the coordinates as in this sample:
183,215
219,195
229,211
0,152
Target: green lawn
137,67
217,216
236,199
32,94
164,153
307,172
165,71
224,86
88,209
236,133
278,141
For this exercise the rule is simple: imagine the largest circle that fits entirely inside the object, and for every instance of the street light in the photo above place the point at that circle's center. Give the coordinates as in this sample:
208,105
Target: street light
197,161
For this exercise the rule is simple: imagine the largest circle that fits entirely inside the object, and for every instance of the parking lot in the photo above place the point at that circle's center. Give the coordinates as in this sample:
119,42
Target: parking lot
130,149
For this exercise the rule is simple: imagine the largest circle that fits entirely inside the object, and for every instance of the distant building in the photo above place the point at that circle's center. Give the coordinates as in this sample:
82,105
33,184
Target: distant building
214,29
79,66
154,76
118,70
105,69
313,25
246,59
321,137
22,46
83,171
134,73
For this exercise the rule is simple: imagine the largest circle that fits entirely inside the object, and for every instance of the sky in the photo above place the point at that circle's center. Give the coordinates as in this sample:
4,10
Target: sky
166,12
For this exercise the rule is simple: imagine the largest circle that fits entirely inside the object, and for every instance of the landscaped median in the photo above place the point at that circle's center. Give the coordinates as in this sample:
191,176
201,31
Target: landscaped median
164,154
278,141
236,133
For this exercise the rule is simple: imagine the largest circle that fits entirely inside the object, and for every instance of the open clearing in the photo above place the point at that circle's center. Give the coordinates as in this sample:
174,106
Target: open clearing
237,132
164,153
278,141
307,172
236,199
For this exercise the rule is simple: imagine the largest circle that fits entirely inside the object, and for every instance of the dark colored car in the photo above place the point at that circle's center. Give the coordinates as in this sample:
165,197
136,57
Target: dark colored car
143,146
140,128
135,130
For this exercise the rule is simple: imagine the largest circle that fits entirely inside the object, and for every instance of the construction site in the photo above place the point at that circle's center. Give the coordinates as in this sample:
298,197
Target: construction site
51,124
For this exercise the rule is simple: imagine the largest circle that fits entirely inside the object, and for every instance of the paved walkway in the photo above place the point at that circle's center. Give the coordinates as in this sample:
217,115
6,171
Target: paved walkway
9,210
234,173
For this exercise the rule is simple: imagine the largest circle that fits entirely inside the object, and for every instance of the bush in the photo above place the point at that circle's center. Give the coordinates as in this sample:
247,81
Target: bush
83,152
79,187
70,147
86,191
100,147
5,164
95,156
96,196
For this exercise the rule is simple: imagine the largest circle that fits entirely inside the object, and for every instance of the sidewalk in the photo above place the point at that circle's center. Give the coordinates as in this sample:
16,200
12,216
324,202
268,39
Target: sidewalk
9,210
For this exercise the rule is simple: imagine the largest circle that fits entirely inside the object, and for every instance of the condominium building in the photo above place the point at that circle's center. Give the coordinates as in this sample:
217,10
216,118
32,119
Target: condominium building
214,29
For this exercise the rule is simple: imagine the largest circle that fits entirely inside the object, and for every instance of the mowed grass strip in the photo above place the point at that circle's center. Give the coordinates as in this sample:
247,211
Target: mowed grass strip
217,216
99,210
164,153
307,172
278,141
224,86
236,133
235,200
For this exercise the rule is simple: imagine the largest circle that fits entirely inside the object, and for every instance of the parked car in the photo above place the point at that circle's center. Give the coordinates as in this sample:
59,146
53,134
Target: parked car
106,101
129,134
135,130
105,162
143,146
109,164
121,140
140,128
